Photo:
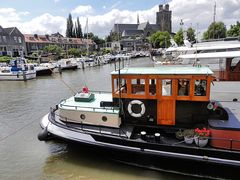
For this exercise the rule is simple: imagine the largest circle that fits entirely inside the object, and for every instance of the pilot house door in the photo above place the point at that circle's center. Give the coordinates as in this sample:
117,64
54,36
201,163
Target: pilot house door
166,102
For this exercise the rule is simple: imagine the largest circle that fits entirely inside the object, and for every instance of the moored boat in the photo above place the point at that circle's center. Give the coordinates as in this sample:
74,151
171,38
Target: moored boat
18,70
137,122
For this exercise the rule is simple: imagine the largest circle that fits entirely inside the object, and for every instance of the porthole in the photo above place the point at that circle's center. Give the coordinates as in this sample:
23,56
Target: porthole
104,118
82,116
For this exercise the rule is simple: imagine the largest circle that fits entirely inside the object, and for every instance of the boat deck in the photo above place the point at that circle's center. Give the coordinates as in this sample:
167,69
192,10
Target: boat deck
92,106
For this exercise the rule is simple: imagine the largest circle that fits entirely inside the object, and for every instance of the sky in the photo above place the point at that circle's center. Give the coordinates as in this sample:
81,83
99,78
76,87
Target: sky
49,16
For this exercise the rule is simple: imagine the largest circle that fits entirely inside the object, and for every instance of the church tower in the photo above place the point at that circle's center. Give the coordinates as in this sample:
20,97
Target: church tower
164,18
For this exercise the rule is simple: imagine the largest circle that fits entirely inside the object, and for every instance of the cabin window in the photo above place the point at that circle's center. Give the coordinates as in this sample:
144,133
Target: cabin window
116,85
200,87
166,87
138,86
152,87
183,87
123,85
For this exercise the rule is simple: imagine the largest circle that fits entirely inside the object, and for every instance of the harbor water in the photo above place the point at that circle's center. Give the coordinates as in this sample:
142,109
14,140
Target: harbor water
22,156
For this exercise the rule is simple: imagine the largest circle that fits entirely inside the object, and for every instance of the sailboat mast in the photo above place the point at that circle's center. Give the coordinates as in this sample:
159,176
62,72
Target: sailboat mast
87,37
214,18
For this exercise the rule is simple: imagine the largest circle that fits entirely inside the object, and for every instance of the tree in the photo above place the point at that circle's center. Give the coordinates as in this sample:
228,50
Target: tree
160,39
114,36
98,40
78,29
215,31
191,34
178,38
234,30
88,35
53,49
69,30
74,52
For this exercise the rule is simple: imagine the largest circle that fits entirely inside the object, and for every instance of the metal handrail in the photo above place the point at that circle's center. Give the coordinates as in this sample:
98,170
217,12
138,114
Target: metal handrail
93,108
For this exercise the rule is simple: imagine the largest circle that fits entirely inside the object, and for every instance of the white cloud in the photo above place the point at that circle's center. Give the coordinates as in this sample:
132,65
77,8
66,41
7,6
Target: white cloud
44,24
9,15
56,1
83,10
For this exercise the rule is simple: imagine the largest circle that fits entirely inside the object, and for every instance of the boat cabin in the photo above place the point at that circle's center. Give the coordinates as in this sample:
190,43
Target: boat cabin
165,95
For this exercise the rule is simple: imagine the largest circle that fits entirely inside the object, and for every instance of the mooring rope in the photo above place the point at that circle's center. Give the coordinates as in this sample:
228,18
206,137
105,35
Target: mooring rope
61,80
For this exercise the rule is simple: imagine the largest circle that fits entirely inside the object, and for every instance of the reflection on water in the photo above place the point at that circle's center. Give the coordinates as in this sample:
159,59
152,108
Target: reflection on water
77,163
22,156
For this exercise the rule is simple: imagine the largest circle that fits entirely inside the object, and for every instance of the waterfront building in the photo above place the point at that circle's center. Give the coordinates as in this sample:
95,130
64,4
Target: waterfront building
134,36
11,42
35,42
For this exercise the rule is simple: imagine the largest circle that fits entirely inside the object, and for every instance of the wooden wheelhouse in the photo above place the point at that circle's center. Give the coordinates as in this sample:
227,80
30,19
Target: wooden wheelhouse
166,95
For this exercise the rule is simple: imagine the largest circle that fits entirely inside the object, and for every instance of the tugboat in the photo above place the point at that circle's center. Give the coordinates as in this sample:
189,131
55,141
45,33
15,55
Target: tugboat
138,121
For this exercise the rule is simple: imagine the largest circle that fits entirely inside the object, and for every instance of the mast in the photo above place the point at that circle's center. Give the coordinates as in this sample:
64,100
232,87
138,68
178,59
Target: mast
214,18
86,30
138,22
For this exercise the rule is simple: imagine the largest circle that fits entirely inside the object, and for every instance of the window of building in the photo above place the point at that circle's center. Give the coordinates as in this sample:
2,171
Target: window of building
166,87
138,86
4,39
200,87
19,39
15,39
0,39
152,87
183,87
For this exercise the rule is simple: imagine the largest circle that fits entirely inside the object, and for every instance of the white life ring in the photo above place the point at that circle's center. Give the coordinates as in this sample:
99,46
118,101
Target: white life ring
137,115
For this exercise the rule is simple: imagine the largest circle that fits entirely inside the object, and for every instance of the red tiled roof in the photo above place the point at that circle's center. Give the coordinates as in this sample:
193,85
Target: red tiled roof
50,39
36,39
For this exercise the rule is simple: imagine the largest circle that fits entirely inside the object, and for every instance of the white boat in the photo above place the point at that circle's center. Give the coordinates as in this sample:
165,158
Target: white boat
67,64
43,69
18,71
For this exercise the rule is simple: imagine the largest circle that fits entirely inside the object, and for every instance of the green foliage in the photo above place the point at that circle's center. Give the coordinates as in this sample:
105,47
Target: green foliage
106,50
114,36
178,38
234,30
5,59
191,34
98,40
215,31
88,35
160,39
70,30
78,28
53,49
74,52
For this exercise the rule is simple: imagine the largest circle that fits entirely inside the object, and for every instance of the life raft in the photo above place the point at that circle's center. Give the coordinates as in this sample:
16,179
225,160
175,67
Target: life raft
137,102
